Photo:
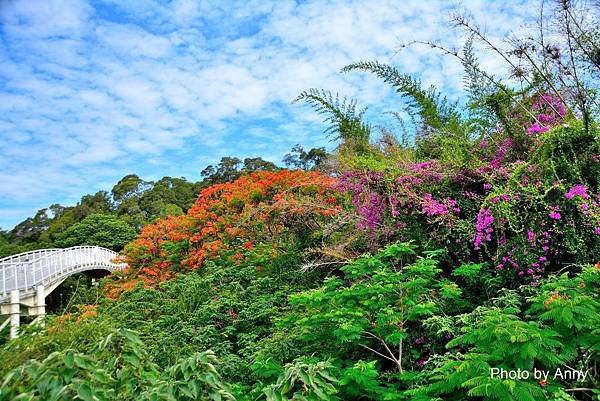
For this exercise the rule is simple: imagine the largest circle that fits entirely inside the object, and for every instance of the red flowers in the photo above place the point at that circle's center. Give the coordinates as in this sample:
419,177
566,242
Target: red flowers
257,212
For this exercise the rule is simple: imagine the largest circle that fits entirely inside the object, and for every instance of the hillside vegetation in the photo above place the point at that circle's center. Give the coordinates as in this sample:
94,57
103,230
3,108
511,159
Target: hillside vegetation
406,265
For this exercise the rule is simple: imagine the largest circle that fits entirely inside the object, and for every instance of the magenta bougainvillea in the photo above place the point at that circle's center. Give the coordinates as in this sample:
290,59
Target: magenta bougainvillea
516,210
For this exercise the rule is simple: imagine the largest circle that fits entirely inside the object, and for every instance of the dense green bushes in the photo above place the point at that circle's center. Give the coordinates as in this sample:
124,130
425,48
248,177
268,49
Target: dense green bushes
118,370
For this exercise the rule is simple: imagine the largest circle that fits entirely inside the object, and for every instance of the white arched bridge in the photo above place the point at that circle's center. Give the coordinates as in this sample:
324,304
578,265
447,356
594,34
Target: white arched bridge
27,278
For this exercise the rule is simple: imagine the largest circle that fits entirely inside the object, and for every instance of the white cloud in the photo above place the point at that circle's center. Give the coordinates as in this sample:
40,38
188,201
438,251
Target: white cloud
89,93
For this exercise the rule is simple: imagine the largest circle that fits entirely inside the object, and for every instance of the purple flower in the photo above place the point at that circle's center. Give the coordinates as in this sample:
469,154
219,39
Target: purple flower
431,207
530,237
484,221
537,128
577,190
420,340
554,215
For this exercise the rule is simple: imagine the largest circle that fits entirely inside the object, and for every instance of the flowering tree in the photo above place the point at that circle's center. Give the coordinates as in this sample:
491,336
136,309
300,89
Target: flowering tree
259,214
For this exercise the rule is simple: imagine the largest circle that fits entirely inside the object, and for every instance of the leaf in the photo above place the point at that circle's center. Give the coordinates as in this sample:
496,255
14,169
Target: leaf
69,359
85,392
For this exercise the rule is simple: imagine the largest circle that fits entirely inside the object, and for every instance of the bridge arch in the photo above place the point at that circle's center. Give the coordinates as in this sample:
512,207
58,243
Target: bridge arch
27,278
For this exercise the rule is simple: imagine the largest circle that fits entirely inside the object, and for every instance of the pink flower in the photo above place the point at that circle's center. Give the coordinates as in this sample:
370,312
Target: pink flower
484,229
554,215
577,190
432,207
537,128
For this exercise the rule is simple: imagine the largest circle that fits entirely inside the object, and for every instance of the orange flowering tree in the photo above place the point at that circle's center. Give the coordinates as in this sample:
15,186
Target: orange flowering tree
258,216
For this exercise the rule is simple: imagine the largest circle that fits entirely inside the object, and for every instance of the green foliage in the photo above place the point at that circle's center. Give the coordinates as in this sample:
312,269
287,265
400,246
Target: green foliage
361,378
129,186
560,329
232,168
75,291
571,307
139,202
172,210
60,333
98,229
7,248
304,382
119,370
298,158
376,305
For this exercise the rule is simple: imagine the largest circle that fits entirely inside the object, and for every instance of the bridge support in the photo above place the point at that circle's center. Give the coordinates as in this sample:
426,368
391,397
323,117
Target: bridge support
15,313
40,304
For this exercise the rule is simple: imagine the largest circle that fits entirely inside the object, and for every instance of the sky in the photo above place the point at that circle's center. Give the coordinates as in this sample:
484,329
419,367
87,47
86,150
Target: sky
93,90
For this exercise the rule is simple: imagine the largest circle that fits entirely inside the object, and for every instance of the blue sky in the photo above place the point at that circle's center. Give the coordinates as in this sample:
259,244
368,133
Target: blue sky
93,90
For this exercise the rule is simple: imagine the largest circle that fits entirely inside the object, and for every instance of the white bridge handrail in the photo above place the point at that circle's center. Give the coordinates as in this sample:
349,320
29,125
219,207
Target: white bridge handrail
28,270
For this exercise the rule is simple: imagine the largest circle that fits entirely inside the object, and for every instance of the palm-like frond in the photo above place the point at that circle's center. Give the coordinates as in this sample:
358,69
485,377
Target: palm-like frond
433,110
343,118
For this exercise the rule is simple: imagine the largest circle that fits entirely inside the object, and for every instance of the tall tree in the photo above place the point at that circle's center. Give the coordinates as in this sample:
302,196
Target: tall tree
299,159
98,229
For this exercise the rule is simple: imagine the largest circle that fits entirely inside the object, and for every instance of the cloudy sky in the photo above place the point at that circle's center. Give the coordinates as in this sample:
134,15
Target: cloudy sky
93,90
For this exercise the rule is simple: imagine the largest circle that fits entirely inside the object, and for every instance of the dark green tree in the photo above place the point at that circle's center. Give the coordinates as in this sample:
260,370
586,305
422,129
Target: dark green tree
231,168
258,164
299,159
129,186
29,230
227,170
98,229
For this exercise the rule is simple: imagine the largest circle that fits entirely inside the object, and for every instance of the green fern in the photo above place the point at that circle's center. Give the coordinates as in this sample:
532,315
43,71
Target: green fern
434,111
345,121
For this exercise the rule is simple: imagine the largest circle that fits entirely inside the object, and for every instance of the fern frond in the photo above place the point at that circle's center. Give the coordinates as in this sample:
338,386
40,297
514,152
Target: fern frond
342,116
407,138
434,111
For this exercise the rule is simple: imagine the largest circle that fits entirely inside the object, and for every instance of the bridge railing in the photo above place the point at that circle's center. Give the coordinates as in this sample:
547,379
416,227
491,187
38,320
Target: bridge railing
25,271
